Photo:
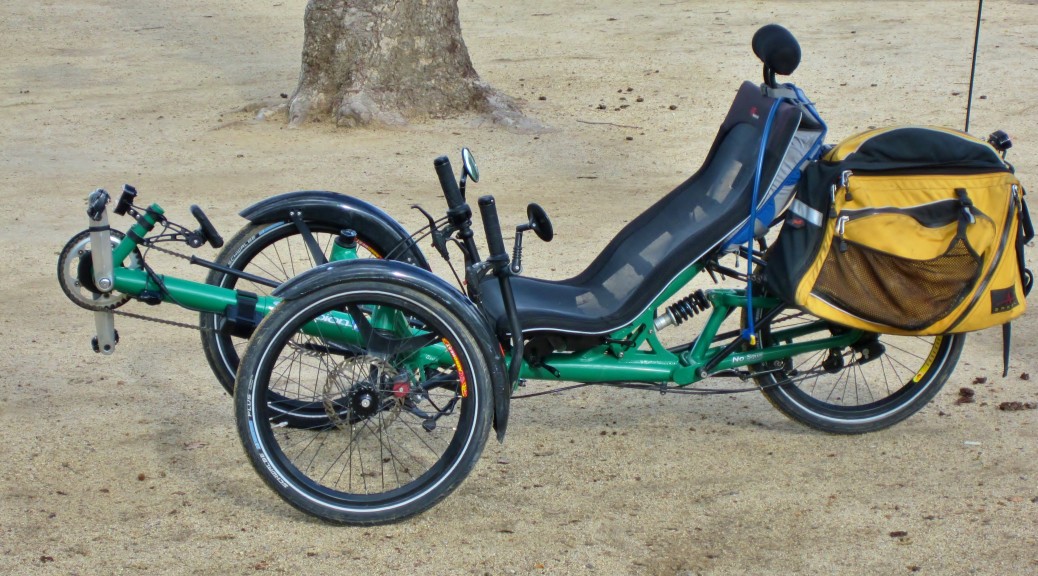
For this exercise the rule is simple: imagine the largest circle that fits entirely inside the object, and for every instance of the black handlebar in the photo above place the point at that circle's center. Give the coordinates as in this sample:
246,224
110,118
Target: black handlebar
450,186
492,227
459,214
208,231
499,260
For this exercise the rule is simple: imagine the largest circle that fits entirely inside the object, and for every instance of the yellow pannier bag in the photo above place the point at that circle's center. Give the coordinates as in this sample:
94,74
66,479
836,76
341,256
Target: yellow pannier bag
908,230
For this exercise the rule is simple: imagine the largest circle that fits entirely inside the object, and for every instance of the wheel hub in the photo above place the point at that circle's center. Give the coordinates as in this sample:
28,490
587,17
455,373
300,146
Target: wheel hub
364,401
360,388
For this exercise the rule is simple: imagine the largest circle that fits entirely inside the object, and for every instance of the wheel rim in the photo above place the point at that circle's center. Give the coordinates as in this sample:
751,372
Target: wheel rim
350,459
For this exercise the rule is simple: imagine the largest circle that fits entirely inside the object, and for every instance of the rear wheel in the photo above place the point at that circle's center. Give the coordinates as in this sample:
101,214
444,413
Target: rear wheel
277,252
363,403
874,383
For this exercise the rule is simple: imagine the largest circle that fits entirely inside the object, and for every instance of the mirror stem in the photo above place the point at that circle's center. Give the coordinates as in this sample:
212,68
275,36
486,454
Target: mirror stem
517,249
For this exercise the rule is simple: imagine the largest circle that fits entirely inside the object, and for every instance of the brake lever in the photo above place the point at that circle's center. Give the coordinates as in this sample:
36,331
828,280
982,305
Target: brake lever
439,239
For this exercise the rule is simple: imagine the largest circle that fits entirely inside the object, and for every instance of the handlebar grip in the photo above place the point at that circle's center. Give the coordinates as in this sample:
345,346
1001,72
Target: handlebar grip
208,230
492,227
447,181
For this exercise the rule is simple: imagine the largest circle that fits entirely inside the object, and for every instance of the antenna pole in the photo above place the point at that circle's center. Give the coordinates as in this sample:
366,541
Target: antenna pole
973,67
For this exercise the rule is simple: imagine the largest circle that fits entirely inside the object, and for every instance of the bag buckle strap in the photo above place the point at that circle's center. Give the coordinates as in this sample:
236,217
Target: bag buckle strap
967,205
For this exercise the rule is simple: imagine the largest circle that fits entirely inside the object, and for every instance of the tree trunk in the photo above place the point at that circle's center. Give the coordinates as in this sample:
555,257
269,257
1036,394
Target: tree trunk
386,62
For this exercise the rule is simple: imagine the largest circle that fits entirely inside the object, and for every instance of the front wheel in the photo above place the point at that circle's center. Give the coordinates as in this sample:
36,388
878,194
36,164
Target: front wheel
872,384
396,391
277,251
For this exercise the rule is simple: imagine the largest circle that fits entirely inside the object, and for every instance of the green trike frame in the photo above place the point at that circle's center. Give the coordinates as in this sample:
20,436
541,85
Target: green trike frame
633,353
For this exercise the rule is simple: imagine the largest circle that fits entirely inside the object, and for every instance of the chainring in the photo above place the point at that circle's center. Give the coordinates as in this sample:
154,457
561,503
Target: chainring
74,257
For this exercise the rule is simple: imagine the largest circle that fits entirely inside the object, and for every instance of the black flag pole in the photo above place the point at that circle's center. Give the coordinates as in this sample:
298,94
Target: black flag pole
973,66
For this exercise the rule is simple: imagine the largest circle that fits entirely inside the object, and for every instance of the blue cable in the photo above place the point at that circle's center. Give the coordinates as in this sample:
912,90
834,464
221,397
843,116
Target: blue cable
751,329
812,154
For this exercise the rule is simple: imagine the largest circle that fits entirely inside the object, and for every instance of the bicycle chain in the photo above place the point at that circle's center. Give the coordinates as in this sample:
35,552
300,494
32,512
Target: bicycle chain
162,320
167,251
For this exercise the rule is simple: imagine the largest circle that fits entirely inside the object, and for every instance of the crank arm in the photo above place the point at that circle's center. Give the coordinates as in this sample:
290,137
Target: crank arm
103,269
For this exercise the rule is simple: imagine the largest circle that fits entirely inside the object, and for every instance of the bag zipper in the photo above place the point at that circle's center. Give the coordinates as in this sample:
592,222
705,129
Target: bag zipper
846,216
841,229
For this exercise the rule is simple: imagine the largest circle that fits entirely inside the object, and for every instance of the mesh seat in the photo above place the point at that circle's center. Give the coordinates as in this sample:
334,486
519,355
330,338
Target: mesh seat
691,221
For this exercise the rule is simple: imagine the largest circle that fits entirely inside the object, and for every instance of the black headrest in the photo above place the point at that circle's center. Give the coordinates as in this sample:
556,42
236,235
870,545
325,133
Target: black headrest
777,49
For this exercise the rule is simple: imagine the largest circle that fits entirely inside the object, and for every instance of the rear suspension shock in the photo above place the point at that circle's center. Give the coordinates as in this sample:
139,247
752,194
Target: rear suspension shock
682,310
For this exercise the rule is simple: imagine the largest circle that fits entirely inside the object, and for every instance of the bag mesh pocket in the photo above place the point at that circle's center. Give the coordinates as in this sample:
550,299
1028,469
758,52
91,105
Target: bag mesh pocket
905,294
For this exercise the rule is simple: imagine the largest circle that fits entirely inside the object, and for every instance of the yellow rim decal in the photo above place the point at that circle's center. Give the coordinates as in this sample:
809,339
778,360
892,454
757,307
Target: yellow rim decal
461,373
370,249
929,359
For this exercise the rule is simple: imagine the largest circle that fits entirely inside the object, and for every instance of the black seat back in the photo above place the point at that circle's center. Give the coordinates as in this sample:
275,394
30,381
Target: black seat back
695,219
698,215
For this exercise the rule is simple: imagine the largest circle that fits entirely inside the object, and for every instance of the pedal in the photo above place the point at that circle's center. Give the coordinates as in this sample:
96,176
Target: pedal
107,337
125,200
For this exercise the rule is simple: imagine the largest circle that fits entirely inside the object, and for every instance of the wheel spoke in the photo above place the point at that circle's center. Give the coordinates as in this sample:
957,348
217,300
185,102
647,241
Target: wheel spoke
866,386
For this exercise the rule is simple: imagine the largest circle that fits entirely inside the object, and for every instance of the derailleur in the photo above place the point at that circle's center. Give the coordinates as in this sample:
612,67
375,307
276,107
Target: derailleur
868,349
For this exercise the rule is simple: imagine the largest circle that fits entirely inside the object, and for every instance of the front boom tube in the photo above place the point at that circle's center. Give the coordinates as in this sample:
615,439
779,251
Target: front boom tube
336,327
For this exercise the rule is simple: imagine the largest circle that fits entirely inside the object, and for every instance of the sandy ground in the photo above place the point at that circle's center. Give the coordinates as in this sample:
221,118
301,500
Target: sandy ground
130,463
